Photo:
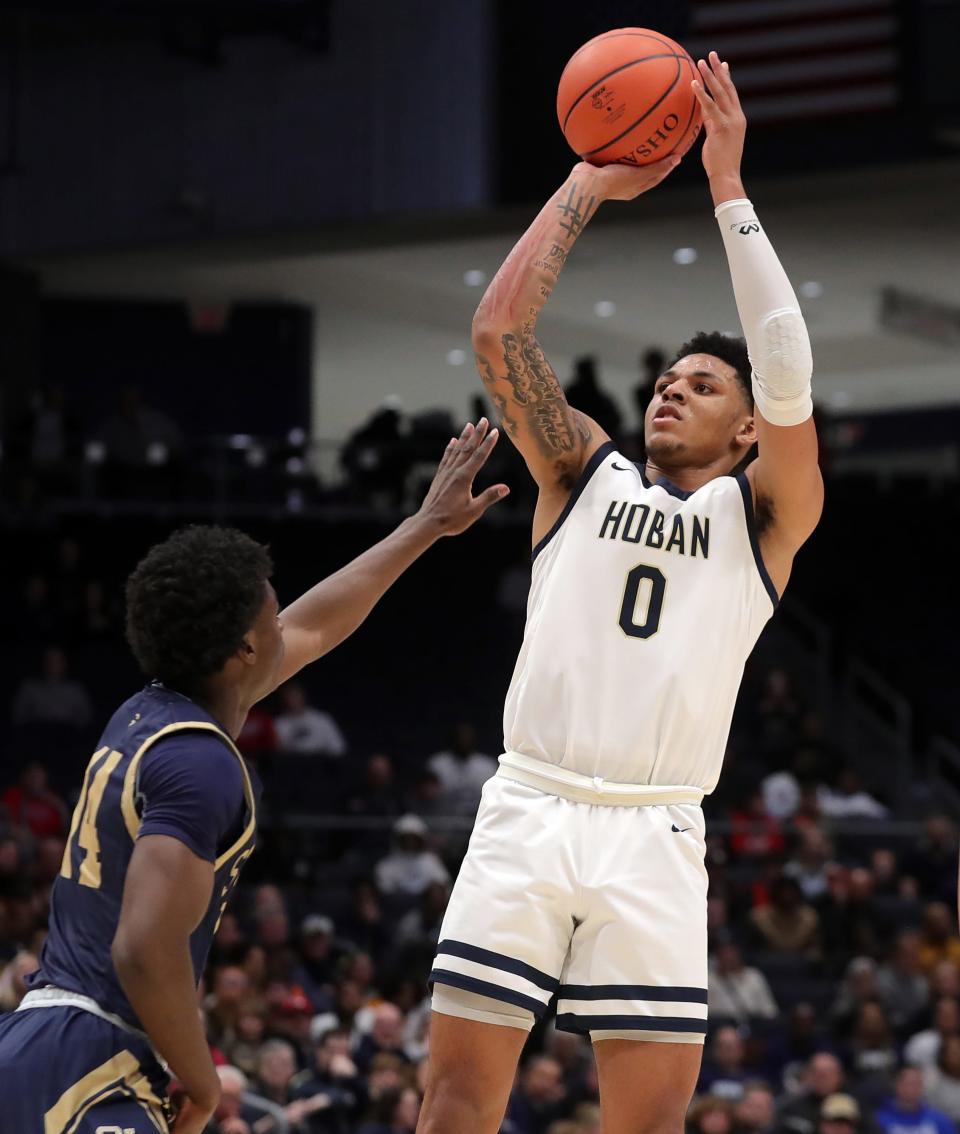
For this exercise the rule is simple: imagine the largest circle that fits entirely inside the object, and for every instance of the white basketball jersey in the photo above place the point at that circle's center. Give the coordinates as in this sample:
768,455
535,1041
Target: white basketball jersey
645,603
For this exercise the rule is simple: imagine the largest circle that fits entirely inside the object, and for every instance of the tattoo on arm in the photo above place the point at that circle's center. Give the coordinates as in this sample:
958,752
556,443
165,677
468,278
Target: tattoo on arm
574,214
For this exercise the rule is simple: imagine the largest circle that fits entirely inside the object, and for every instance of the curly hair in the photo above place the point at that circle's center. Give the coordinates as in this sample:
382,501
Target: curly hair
191,600
731,350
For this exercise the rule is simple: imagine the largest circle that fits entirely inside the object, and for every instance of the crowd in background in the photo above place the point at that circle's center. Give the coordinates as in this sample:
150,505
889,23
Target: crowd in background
835,960
139,452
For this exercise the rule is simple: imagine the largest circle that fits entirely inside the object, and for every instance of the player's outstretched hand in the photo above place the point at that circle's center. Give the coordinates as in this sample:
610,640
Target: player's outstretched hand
723,118
619,182
450,503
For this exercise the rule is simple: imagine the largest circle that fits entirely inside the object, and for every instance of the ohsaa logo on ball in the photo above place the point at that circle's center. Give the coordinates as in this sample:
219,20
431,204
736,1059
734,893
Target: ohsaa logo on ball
654,142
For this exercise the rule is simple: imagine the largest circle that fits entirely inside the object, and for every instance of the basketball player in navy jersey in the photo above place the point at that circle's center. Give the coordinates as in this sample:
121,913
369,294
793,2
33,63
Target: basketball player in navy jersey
584,876
167,818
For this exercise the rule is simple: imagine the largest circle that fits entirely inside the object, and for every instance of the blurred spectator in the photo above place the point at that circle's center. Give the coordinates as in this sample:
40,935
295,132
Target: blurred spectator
811,864
376,458
52,435
385,1037
871,1053
53,698
238,1104
781,794
938,939
395,1112
411,866
942,1081
779,711
754,832
317,968
711,1115
908,1113
901,984
840,1114
585,394
258,737
335,1076
377,794
822,1078
96,620
859,987
224,1004
848,800
934,861
304,730
722,1071
788,1052
363,927
276,1066
738,991
420,928
576,1061
923,1048
787,924
537,1099
755,1112
33,806
462,770
945,980
849,919
886,872
137,437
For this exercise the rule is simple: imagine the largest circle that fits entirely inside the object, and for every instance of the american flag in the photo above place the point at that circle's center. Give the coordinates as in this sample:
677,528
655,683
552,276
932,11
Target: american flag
794,59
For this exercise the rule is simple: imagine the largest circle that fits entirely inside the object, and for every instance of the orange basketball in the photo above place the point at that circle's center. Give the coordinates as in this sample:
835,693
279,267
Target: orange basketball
625,96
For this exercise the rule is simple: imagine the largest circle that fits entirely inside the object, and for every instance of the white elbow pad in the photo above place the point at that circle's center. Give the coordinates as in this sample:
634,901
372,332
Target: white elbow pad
773,326
781,376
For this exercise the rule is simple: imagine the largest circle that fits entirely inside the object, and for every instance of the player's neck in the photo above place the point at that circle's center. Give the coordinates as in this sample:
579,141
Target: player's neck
227,706
688,478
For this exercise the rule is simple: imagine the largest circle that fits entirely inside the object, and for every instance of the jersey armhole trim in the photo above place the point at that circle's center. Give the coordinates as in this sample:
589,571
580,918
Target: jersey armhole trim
747,493
589,469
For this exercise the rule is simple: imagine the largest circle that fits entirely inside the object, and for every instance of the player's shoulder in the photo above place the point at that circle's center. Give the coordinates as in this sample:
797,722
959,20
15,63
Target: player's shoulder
196,759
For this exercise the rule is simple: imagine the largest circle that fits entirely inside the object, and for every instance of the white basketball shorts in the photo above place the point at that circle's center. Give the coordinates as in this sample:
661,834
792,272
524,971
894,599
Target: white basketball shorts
603,904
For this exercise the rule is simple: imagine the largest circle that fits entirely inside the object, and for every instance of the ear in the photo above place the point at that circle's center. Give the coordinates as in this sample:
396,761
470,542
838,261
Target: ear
247,650
746,435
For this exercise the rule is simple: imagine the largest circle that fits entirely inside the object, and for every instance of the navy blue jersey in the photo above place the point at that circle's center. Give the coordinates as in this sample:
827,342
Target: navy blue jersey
163,766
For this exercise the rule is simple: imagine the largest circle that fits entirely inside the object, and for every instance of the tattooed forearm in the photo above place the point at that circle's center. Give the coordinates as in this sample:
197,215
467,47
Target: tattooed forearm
574,213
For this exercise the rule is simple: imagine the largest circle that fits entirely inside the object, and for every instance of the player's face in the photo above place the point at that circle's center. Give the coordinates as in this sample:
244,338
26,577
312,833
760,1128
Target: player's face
697,414
266,637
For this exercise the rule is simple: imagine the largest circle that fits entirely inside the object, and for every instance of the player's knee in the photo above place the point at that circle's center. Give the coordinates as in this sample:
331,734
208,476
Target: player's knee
457,1102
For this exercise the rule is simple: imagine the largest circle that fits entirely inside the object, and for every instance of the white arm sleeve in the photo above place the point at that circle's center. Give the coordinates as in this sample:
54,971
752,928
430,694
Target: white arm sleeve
777,339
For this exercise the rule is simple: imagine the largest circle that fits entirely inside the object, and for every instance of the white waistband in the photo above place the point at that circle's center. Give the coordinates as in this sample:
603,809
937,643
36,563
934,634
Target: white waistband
554,780
53,997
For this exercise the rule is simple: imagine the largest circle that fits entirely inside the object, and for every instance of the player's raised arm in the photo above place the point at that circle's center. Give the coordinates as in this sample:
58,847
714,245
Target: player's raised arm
786,472
555,440
335,607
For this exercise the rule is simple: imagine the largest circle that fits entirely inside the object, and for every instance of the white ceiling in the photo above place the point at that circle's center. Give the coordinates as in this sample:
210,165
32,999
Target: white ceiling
387,317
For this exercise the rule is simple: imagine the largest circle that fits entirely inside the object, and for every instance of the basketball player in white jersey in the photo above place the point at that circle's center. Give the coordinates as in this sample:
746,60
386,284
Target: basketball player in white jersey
585,875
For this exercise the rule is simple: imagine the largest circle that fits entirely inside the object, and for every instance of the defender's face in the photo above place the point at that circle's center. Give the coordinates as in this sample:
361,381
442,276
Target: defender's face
266,636
697,413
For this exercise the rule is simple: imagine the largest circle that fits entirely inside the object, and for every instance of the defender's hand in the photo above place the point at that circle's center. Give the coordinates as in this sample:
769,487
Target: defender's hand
723,118
619,182
450,504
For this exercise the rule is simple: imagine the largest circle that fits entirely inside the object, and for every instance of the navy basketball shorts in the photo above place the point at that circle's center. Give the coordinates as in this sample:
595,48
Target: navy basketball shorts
601,905
64,1070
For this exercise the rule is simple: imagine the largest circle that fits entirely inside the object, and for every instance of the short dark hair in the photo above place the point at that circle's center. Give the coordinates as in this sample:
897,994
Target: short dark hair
729,349
191,600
